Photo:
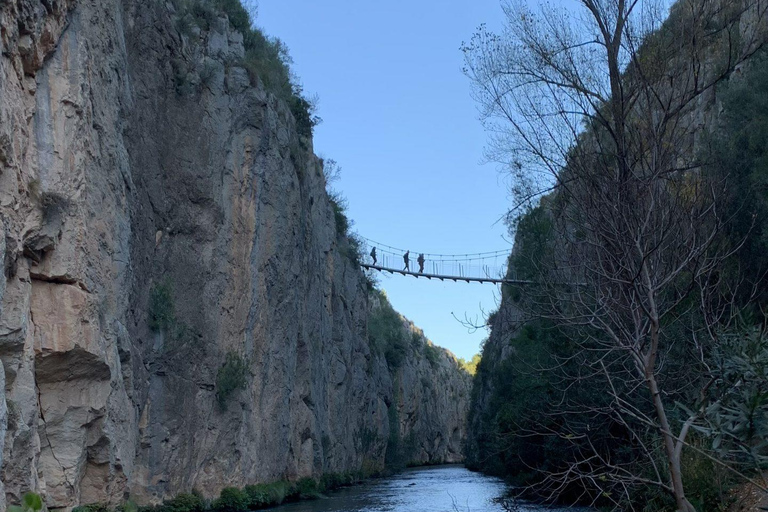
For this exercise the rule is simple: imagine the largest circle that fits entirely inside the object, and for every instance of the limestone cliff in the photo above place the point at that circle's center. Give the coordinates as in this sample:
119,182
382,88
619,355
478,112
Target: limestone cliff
159,212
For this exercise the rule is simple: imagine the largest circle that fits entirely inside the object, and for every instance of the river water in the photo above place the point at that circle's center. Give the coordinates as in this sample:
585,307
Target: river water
430,489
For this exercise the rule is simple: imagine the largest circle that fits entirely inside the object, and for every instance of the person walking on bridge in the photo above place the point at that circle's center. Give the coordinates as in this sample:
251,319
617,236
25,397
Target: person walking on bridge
373,255
421,263
405,259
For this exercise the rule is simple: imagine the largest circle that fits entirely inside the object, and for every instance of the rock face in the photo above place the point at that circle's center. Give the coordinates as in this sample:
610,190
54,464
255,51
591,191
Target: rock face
157,213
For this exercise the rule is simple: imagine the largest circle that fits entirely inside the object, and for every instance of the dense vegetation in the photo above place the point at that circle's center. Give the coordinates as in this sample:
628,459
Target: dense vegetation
391,335
386,331
539,412
470,366
232,499
232,375
163,318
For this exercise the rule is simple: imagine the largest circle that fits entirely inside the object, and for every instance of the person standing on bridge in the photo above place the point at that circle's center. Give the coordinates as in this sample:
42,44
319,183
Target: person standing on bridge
373,255
421,263
405,259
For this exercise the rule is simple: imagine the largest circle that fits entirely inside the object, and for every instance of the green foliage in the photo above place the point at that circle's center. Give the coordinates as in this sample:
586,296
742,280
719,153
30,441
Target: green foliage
128,506
432,354
737,423
534,418
533,254
259,496
394,455
231,376
162,314
350,244
706,483
386,333
266,495
470,366
30,502
339,205
738,152
231,499
308,488
192,502
524,401
92,507
330,481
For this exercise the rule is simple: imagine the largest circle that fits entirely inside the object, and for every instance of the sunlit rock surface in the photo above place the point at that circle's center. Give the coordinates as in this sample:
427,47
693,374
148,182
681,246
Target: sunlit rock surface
117,176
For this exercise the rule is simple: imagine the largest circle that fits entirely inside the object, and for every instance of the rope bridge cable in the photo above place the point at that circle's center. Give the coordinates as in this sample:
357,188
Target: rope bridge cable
373,243
485,267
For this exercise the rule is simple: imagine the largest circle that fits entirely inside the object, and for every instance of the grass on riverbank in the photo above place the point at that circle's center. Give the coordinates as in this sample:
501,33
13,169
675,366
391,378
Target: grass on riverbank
252,497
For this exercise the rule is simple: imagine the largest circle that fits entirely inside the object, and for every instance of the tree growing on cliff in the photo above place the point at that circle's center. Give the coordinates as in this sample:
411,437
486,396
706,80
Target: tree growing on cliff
602,108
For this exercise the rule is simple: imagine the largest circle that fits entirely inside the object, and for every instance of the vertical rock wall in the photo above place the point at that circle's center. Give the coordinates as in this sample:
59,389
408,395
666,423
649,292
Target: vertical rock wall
140,168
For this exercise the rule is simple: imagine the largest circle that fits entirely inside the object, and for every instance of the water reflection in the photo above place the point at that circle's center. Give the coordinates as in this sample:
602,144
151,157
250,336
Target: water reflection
431,489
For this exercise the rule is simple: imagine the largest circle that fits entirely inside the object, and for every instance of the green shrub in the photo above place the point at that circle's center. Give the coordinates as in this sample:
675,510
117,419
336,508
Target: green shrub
331,481
432,354
277,492
302,111
231,376
162,317
308,488
184,503
128,506
470,366
92,507
258,496
394,456
386,333
161,309
231,499
339,205
31,502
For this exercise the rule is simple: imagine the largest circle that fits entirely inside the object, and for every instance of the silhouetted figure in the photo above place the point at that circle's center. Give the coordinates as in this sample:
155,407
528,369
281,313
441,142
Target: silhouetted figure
405,259
373,255
421,263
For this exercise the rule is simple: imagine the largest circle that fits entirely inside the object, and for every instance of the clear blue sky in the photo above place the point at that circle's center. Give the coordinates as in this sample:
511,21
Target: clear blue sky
399,120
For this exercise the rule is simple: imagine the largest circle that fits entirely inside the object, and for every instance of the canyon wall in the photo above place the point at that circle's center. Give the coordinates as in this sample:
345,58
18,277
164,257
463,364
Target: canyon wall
163,224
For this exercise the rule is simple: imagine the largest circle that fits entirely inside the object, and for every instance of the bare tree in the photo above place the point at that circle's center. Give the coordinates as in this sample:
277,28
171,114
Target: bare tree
603,106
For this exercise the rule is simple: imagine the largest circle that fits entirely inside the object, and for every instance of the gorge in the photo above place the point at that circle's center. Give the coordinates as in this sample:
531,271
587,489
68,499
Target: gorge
188,322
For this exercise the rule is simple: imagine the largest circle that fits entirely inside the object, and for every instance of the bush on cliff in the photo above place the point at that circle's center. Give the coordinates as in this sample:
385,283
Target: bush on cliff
432,354
162,314
232,375
386,333
469,366
31,502
162,317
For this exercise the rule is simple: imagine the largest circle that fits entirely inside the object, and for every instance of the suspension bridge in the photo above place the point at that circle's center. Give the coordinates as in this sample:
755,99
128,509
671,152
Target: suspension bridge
481,267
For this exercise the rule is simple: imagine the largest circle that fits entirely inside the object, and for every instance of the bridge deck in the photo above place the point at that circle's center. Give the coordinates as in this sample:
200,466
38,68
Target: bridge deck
444,277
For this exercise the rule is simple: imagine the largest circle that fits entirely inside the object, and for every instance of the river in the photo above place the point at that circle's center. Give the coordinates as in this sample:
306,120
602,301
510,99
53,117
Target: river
429,489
